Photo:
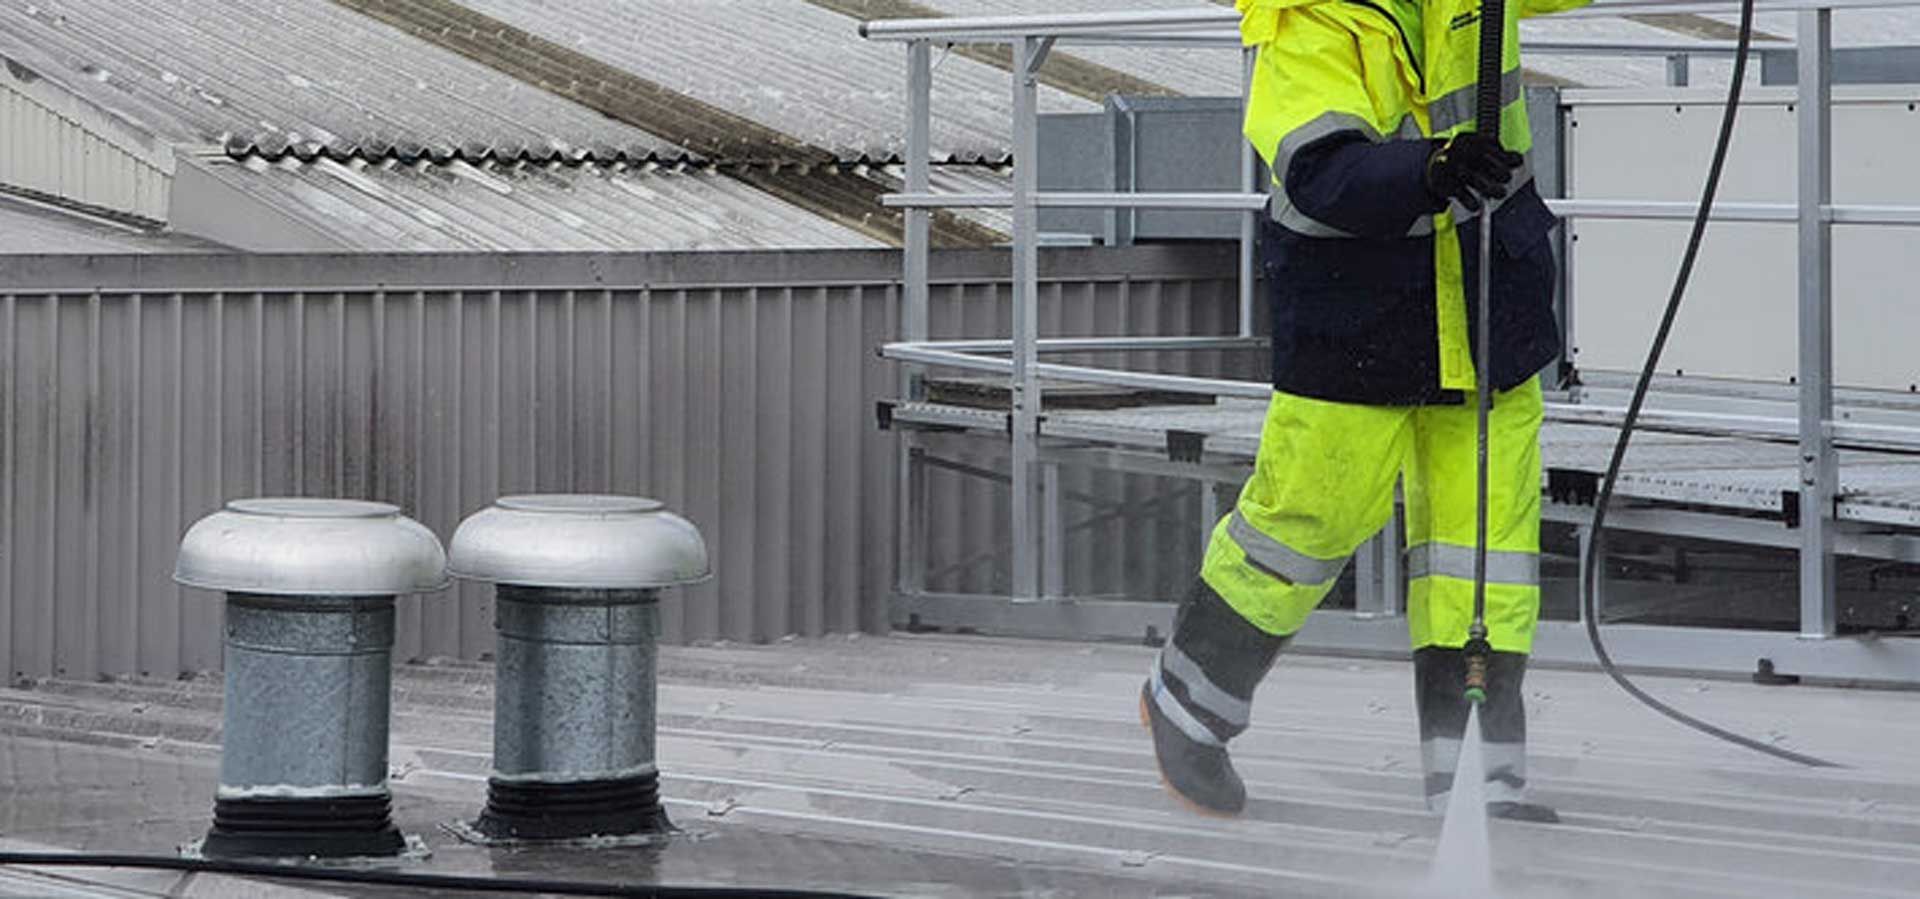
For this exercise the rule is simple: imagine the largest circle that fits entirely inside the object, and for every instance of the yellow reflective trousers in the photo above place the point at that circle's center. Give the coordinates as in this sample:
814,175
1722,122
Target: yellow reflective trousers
1324,483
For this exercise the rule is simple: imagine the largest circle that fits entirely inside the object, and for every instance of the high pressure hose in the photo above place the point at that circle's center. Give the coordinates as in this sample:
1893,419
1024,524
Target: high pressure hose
376,877
1590,554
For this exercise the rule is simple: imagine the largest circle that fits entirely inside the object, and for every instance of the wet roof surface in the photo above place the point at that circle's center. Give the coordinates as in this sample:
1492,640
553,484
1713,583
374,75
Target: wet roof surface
951,766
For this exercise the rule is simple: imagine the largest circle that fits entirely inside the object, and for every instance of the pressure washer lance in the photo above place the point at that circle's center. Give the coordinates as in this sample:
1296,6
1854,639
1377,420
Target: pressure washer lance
1493,22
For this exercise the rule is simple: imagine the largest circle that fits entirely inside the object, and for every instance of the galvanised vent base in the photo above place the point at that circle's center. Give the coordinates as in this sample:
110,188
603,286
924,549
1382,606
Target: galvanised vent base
310,586
339,827
523,811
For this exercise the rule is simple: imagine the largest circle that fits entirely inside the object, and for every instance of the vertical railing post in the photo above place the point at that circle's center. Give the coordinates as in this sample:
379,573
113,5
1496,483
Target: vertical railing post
1026,400
1393,574
1249,182
910,579
1678,73
1053,533
1819,469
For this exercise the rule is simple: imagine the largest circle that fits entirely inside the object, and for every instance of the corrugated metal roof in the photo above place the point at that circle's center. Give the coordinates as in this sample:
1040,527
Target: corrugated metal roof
786,64
457,205
27,227
303,76
934,766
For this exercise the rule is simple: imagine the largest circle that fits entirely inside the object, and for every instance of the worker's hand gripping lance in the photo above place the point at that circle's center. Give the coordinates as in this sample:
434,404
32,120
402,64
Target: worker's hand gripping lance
1487,109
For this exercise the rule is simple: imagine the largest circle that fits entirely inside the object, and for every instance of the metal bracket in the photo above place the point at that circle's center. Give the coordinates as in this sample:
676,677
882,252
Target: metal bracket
1186,446
1013,425
1042,48
1571,487
1790,508
883,412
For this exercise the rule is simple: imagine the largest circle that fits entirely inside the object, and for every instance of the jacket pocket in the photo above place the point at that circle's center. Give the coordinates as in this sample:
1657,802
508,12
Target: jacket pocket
1526,329
1345,287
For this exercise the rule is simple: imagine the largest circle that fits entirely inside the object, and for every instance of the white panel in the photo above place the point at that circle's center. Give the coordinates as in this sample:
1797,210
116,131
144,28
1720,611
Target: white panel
59,146
1739,319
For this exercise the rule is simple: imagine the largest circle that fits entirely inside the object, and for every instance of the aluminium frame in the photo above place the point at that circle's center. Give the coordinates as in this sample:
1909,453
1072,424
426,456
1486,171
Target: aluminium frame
1036,606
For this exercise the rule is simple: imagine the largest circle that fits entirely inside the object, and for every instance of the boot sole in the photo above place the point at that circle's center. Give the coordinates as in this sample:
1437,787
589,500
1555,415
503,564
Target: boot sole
1146,721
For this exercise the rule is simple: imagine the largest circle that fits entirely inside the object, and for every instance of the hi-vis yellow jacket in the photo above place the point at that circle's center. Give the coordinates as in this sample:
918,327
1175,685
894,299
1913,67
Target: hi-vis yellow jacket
1369,273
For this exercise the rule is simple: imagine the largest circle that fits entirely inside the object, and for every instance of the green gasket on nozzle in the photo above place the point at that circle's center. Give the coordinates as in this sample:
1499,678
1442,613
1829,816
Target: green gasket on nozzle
1477,650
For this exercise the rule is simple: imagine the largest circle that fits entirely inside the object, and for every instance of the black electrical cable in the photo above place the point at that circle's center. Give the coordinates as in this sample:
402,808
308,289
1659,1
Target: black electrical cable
397,878
1590,577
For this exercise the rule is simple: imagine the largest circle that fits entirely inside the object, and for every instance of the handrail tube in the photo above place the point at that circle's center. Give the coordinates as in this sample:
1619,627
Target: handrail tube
991,29
1230,39
1231,201
1057,24
1623,210
1097,344
958,355
1079,373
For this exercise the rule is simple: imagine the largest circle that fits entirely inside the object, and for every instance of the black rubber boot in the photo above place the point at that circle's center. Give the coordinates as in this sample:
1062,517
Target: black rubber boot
1199,697
1198,774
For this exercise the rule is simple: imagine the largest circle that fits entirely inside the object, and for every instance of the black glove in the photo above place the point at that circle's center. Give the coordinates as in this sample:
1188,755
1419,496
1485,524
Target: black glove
1470,166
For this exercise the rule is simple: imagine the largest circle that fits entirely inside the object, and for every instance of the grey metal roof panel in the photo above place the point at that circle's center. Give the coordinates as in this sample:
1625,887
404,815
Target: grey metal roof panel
493,205
788,65
27,227
938,766
303,77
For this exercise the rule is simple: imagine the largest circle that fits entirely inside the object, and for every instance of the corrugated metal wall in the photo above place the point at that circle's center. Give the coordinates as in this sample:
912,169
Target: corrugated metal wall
56,145
141,392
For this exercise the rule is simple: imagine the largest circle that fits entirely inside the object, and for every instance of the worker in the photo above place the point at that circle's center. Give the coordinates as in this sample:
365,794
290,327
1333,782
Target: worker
1364,113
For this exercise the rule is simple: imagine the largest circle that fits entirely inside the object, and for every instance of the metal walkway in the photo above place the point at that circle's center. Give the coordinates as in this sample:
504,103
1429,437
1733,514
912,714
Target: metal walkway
1739,490
1726,474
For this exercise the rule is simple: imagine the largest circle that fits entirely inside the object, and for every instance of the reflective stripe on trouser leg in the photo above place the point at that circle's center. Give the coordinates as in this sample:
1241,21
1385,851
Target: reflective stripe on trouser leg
1207,672
1439,680
1440,522
1322,484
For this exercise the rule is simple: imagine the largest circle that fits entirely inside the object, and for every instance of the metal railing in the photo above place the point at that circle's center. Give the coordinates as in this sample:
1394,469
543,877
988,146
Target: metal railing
1032,38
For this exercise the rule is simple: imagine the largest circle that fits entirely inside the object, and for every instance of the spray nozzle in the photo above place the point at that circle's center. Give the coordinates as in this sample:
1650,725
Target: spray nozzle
1477,650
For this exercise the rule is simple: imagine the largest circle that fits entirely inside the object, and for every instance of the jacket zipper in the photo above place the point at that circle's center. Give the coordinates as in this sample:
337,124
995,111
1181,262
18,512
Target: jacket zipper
1412,57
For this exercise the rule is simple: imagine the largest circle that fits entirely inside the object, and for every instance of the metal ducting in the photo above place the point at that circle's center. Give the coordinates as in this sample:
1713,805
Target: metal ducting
577,581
